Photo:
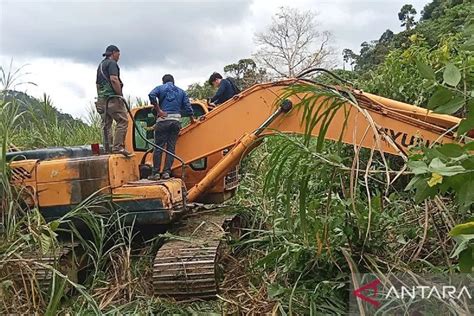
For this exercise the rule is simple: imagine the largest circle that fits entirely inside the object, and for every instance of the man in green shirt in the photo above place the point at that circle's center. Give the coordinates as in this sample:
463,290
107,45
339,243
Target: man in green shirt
108,84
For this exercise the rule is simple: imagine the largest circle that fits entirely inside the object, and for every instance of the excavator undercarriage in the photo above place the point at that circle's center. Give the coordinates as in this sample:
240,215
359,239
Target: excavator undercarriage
190,266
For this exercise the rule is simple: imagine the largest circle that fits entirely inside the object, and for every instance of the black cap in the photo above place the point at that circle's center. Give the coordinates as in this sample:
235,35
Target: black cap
110,50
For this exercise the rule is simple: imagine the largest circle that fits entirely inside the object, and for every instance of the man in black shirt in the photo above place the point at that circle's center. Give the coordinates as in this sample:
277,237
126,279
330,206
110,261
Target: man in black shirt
227,88
109,84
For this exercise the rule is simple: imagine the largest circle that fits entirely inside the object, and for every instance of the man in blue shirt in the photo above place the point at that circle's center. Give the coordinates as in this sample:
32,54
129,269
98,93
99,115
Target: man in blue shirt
227,88
172,103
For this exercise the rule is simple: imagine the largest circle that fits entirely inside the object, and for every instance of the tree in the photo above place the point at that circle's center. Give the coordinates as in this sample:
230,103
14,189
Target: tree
407,16
324,78
386,37
432,9
373,53
293,43
200,91
349,57
437,8
246,73
364,48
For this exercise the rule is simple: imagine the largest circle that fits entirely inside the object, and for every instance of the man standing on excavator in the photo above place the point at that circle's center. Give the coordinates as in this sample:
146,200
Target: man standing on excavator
172,103
226,88
109,84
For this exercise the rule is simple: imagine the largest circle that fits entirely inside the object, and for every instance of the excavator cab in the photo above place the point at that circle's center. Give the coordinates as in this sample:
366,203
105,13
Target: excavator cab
194,171
145,119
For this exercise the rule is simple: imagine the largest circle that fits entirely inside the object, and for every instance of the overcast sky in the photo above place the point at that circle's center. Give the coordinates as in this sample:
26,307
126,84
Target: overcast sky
62,41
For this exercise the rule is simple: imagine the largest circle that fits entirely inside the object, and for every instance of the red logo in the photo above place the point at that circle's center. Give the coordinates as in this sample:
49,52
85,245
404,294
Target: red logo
366,288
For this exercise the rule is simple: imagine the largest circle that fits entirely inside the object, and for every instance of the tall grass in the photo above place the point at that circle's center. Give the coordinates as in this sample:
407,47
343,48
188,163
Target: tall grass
48,131
323,210
25,236
101,242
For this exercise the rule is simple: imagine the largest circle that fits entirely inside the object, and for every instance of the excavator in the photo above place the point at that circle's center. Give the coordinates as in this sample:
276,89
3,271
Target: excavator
206,168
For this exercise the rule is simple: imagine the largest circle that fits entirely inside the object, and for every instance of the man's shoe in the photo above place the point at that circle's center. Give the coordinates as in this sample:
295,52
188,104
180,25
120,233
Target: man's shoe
154,177
122,152
165,175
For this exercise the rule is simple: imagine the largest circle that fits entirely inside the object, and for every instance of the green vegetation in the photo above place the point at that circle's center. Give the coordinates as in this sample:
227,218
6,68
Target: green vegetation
40,124
450,21
318,211
48,129
319,220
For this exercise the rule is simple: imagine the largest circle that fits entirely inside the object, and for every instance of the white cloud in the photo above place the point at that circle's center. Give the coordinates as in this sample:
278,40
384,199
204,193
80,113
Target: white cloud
63,41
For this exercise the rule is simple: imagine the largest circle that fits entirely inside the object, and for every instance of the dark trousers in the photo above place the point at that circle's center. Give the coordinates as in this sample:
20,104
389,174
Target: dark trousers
166,135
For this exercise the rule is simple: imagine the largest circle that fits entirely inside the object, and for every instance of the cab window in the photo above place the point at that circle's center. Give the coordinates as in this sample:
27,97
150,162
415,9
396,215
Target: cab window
145,120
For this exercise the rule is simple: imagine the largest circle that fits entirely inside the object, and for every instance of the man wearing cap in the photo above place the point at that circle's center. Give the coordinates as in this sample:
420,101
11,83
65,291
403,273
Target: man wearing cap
109,84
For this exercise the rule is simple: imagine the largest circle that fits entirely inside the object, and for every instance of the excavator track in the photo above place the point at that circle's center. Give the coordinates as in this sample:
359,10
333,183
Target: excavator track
188,266
39,266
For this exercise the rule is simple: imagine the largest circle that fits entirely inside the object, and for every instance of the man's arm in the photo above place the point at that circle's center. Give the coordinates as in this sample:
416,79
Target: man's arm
153,96
115,82
219,92
114,79
186,105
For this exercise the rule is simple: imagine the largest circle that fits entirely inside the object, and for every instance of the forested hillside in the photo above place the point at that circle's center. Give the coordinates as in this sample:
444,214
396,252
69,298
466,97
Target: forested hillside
390,66
39,109
39,124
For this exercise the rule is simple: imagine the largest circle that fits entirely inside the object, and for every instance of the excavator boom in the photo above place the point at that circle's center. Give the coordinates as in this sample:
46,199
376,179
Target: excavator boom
337,114
352,122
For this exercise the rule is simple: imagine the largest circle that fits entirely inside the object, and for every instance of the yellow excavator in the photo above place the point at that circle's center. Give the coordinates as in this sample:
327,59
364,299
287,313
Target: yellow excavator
206,170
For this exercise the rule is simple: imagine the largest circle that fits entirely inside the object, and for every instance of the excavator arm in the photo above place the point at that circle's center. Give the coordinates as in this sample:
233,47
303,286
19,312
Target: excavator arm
303,107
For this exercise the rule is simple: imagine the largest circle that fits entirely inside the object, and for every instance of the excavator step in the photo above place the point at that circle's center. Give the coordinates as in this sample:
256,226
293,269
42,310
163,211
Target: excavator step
188,267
